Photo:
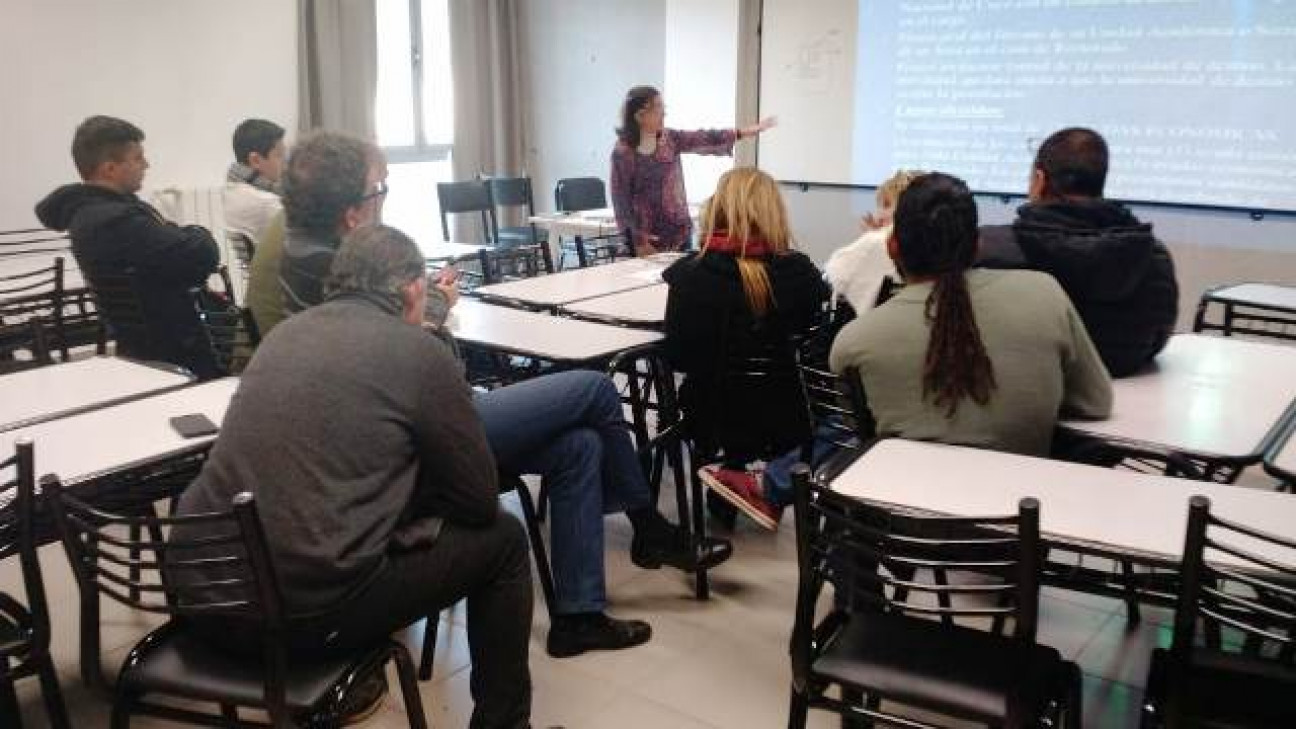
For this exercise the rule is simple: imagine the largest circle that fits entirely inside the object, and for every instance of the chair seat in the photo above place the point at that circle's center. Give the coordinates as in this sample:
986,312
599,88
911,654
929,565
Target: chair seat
1227,689
173,661
965,672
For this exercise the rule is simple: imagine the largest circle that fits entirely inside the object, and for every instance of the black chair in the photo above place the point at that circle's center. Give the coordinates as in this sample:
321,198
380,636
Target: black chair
572,195
231,330
34,293
24,630
469,196
1241,316
514,483
900,583
23,346
513,196
1232,661
244,249
173,662
121,311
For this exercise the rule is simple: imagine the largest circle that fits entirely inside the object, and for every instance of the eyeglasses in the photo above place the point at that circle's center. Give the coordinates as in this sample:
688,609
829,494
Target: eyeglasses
379,191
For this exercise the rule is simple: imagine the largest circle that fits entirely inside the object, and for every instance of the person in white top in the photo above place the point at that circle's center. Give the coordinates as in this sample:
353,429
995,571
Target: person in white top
251,195
855,271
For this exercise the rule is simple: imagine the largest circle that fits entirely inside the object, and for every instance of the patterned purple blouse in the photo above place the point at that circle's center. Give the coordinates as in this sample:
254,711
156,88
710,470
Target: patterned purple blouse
648,189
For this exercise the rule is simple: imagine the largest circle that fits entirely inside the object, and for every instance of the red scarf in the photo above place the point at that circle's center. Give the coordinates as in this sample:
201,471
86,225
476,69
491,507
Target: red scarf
720,242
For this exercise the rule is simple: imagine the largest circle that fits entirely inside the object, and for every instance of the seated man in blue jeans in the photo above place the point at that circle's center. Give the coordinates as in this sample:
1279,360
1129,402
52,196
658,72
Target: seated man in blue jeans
567,427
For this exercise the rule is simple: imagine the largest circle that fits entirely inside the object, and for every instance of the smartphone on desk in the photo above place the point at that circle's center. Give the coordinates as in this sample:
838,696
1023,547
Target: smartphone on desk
193,425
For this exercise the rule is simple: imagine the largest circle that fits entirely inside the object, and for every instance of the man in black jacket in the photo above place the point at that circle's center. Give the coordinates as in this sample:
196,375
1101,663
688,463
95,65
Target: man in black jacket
1119,276
115,233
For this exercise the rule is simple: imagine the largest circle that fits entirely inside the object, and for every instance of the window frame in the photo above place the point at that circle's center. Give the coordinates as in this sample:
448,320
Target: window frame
421,150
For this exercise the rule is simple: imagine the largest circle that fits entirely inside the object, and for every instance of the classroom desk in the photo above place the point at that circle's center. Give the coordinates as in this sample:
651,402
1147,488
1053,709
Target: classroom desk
552,291
550,338
442,252
643,307
56,391
1280,462
95,444
1260,309
1220,402
584,224
1113,513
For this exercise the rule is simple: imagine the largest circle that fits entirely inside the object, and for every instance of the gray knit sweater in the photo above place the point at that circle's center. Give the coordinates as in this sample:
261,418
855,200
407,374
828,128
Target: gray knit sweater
357,435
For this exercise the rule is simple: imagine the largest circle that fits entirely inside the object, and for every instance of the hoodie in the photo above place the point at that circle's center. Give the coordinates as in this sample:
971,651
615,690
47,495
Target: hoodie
119,234
1120,278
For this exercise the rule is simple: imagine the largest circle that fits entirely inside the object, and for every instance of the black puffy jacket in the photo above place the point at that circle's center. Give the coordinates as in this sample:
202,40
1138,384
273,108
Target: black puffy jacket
1120,278
114,233
709,323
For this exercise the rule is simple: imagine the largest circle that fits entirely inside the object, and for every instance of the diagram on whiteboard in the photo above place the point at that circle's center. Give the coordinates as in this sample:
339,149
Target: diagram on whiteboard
817,62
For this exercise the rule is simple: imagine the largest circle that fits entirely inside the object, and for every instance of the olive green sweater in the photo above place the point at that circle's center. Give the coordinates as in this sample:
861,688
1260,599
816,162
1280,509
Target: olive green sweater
1044,364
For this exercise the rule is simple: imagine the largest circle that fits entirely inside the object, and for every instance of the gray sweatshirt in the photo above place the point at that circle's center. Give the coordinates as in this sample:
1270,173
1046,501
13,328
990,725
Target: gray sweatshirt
1044,364
357,435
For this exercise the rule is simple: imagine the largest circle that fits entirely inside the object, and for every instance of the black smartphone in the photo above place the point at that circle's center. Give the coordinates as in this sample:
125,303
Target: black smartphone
193,425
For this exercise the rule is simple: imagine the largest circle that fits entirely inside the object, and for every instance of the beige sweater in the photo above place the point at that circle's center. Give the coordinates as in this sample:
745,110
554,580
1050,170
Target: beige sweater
1044,364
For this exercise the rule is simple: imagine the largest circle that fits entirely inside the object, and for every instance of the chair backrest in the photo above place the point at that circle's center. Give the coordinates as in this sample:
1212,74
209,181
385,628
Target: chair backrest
511,192
231,330
121,311
837,405
243,246
23,346
573,194
468,196
513,263
882,560
1238,587
31,287
18,535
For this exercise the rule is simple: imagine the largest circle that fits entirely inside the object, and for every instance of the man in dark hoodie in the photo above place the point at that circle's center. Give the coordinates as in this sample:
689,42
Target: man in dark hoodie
115,233
1120,278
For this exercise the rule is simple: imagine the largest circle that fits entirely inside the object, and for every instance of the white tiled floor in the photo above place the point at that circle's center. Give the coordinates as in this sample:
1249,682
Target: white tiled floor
718,664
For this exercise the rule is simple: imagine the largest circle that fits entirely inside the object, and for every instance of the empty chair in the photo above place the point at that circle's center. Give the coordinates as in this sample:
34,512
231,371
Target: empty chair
513,197
24,629
172,661
469,196
1232,661
31,288
576,194
909,590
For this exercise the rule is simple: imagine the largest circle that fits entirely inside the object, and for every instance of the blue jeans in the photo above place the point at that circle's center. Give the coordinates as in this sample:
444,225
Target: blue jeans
569,428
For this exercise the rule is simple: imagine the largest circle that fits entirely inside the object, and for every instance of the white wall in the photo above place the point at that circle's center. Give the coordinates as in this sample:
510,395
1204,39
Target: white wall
184,71
701,81
578,59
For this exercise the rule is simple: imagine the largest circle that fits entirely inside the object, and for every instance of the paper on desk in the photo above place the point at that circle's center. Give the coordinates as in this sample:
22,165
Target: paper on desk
652,275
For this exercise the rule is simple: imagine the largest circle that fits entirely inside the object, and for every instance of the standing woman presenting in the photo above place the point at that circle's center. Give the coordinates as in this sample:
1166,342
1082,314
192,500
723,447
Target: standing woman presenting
647,178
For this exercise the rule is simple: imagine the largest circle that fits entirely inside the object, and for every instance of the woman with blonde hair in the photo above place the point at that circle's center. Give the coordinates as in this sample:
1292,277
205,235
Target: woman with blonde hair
856,270
746,294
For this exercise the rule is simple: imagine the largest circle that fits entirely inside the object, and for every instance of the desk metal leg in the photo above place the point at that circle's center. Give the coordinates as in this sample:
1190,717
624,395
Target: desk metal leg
581,256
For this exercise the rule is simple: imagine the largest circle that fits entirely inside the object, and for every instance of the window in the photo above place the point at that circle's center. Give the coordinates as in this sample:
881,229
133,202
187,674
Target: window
414,110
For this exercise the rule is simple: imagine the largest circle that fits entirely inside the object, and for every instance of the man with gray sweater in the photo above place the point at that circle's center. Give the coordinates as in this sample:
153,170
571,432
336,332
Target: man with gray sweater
358,436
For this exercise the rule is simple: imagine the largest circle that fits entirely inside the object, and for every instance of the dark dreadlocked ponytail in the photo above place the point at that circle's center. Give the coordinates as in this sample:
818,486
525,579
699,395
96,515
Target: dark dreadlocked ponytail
936,232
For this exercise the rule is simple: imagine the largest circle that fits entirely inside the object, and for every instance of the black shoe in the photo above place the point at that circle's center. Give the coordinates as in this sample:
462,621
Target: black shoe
365,697
572,635
673,547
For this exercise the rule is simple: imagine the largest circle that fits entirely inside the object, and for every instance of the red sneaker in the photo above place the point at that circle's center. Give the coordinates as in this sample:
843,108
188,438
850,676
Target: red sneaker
743,490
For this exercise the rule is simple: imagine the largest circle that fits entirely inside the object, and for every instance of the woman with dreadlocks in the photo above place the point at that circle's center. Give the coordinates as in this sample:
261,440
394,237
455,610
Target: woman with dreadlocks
973,357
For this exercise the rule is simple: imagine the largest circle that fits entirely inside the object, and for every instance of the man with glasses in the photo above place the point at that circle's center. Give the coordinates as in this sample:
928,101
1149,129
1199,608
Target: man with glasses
567,427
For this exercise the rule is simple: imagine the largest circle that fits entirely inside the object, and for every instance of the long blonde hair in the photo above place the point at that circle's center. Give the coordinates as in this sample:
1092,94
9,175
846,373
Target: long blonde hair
747,206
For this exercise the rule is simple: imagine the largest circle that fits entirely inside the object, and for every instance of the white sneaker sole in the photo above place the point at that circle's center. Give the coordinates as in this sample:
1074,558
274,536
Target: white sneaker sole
738,501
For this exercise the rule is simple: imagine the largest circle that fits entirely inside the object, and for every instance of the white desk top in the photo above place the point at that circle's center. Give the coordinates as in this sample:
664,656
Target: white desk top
57,390
645,306
541,335
450,252
579,284
1123,511
109,439
1258,294
601,221
1208,396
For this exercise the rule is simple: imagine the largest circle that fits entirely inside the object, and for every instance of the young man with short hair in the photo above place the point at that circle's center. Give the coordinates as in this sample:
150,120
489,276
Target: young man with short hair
116,233
251,194
1120,278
